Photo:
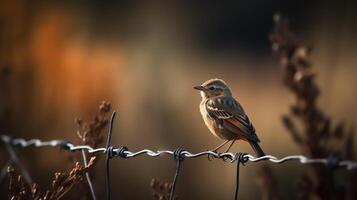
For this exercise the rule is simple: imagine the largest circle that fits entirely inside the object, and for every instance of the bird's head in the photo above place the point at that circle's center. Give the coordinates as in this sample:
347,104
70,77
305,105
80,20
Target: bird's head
213,88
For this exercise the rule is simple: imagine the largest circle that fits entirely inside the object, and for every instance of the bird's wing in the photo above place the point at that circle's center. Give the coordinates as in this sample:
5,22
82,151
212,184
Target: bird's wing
232,115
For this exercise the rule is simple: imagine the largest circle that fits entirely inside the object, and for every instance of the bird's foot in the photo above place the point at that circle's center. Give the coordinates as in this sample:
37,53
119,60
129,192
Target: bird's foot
211,157
225,158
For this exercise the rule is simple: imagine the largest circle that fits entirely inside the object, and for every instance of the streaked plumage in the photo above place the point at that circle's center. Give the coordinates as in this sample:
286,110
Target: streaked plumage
224,116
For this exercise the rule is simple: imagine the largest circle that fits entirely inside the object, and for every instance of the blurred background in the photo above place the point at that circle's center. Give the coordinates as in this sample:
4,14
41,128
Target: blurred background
60,59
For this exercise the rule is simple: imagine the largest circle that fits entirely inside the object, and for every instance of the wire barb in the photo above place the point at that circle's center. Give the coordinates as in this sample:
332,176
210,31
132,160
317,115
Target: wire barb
121,152
241,158
109,150
178,156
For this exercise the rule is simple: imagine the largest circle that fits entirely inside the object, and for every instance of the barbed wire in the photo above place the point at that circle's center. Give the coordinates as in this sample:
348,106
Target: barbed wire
119,152
178,154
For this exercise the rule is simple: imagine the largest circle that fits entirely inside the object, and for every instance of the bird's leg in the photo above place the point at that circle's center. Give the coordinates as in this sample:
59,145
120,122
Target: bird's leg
225,158
230,146
215,149
220,146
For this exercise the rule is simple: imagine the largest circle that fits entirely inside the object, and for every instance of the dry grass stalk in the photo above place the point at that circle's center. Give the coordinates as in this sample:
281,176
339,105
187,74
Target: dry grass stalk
92,133
61,184
307,124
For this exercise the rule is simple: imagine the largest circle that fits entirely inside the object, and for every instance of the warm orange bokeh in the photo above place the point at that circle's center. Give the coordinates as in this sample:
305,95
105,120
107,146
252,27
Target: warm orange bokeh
62,67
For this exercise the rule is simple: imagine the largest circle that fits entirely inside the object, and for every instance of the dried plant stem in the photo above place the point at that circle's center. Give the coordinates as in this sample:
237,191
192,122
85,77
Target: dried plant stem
62,183
4,170
87,176
16,160
92,133
310,128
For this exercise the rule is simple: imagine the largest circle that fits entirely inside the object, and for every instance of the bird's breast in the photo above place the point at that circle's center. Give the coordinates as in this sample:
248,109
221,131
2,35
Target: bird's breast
210,122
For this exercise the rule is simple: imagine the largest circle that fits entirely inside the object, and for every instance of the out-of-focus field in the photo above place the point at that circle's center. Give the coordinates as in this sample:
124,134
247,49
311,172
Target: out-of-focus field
60,60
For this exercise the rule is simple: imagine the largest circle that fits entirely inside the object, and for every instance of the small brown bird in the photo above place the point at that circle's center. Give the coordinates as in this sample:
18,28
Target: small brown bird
225,117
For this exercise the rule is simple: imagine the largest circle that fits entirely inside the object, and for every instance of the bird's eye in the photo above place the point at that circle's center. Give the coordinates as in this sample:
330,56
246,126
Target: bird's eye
211,88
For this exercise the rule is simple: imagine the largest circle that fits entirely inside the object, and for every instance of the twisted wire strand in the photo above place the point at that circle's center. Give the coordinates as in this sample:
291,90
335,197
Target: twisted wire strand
348,164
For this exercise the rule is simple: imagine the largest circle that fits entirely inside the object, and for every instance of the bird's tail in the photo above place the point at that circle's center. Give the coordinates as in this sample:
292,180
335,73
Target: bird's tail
259,151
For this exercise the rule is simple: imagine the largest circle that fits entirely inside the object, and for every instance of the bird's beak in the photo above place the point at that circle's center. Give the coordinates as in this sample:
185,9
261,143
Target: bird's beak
199,87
